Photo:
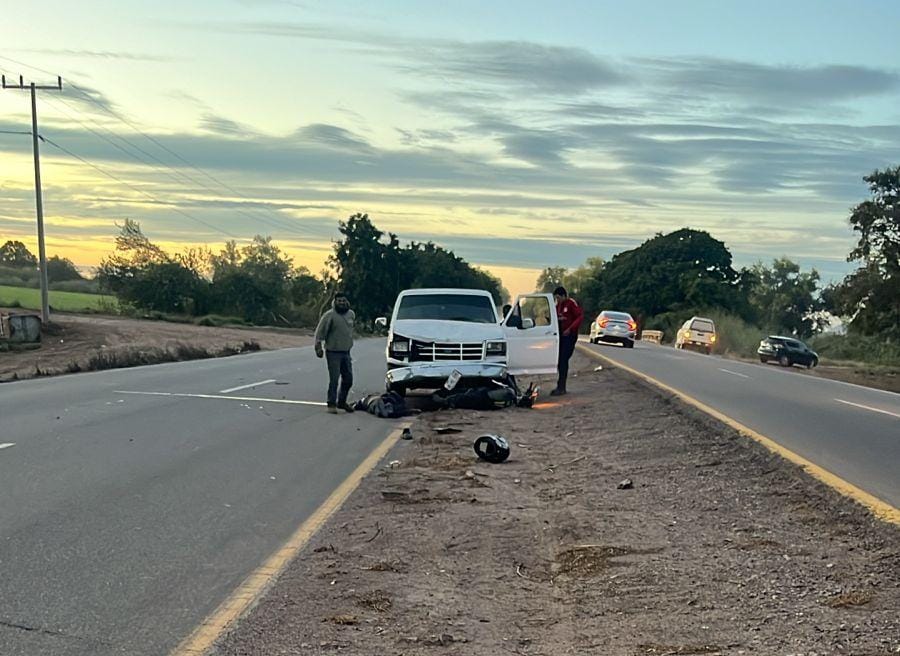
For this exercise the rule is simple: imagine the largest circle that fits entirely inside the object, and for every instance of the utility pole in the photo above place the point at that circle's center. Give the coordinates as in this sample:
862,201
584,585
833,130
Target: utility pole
39,203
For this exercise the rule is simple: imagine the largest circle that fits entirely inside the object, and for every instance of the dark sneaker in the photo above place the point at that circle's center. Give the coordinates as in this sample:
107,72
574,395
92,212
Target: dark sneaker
558,392
332,410
346,407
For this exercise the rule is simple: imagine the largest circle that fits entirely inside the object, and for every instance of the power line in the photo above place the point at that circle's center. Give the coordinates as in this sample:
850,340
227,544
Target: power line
134,188
84,94
38,196
14,132
87,96
175,174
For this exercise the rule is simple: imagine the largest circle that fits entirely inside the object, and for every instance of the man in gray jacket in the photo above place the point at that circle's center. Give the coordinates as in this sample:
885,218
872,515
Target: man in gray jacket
334,339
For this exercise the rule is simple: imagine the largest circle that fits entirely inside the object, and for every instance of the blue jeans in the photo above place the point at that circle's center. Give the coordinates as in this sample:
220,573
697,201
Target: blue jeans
340,371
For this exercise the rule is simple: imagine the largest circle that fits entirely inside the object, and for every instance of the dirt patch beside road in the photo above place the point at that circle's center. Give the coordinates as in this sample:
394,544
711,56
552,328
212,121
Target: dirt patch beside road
716,547
83,343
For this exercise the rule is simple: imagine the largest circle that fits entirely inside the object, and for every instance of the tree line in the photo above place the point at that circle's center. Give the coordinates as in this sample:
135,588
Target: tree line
19,268
672,276
258,283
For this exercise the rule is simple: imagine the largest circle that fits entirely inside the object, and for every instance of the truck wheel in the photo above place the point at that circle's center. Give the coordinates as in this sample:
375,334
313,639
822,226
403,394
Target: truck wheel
784,361
629,344
764,360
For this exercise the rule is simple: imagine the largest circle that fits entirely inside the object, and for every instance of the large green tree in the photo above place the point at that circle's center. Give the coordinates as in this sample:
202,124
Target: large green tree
683,271
870,296
785,299
372,268
16,254
144,276
61,269
367,266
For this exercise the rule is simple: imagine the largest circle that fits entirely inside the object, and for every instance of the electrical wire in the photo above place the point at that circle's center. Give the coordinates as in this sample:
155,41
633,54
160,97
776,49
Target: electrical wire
134,188
87,96
171,172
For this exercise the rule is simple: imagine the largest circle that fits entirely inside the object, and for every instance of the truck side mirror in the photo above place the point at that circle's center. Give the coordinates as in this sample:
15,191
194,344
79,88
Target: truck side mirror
381,322
527,324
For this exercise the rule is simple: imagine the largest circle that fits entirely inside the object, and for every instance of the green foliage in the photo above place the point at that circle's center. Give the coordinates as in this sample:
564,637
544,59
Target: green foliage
674,273
856,348
578,282
15,254
367,265
785,300
19,276
256,283
870,296
551,278
252,282
736,337
61,269
372,268
80,286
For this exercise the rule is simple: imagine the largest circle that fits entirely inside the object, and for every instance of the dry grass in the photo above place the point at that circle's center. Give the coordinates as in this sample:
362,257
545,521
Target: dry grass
850,600
376,600
588,560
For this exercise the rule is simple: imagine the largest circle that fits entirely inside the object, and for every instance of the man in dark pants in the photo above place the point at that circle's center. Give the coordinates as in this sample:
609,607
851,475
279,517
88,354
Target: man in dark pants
334,340
570,317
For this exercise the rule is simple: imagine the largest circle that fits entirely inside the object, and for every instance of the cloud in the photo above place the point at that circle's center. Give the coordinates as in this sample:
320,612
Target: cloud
101,54
528,66
761,84
224,126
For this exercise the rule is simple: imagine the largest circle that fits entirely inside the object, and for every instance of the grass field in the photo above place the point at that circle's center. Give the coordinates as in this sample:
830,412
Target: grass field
62,301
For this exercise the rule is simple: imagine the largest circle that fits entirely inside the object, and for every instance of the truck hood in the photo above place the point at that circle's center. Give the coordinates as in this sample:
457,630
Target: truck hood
447,331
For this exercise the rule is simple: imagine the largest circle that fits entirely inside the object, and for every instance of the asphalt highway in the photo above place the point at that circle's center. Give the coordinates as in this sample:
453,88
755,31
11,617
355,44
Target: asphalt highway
849,430
127,514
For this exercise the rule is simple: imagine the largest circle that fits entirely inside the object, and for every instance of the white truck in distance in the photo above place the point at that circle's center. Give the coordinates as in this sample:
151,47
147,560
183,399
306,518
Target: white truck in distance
434,332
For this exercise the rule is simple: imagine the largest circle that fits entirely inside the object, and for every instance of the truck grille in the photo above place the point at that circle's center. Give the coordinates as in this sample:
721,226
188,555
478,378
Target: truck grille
446,352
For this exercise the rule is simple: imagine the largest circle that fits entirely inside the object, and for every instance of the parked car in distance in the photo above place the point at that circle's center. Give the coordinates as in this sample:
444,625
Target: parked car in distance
697,333
787,352
611,326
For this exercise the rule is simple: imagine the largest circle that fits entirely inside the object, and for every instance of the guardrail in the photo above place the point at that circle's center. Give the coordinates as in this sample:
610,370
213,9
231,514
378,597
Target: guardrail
654,336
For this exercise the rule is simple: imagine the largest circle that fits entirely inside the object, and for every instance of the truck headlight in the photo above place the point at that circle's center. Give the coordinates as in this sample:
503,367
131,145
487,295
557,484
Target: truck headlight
495,348
400,346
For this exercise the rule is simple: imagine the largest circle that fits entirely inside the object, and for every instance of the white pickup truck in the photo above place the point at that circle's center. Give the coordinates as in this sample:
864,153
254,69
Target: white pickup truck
434,332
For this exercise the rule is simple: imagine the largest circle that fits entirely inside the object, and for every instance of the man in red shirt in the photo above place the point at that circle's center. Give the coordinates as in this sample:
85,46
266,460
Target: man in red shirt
570,317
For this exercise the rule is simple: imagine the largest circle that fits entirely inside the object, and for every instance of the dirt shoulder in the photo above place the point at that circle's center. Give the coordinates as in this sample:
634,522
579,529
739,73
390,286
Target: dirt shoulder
718,548
88,342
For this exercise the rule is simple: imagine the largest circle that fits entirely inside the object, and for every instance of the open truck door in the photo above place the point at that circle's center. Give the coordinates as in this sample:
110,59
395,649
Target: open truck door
532,335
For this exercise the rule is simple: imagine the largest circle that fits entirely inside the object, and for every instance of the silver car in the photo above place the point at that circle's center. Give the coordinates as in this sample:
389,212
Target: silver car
614,327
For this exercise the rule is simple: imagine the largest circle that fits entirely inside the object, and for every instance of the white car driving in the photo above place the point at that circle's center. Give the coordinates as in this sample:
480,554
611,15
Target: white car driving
436,332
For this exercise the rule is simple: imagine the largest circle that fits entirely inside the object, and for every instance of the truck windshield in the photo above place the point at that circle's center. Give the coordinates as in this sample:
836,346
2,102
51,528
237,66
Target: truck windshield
447,307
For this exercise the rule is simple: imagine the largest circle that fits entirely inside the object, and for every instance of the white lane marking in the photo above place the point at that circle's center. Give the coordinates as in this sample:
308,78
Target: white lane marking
868,407
6,445
733,373
226,398
243,387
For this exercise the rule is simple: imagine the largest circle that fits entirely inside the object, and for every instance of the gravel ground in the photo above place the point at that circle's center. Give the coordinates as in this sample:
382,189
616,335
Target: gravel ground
716,547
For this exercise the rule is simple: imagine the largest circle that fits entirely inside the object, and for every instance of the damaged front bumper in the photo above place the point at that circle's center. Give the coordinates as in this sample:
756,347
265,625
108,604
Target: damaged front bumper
433,375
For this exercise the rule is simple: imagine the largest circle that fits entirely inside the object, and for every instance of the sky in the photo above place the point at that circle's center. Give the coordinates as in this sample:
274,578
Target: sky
519,134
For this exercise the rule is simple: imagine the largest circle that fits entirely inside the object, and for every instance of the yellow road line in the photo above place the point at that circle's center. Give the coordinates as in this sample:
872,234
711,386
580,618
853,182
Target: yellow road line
246,595
879,508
